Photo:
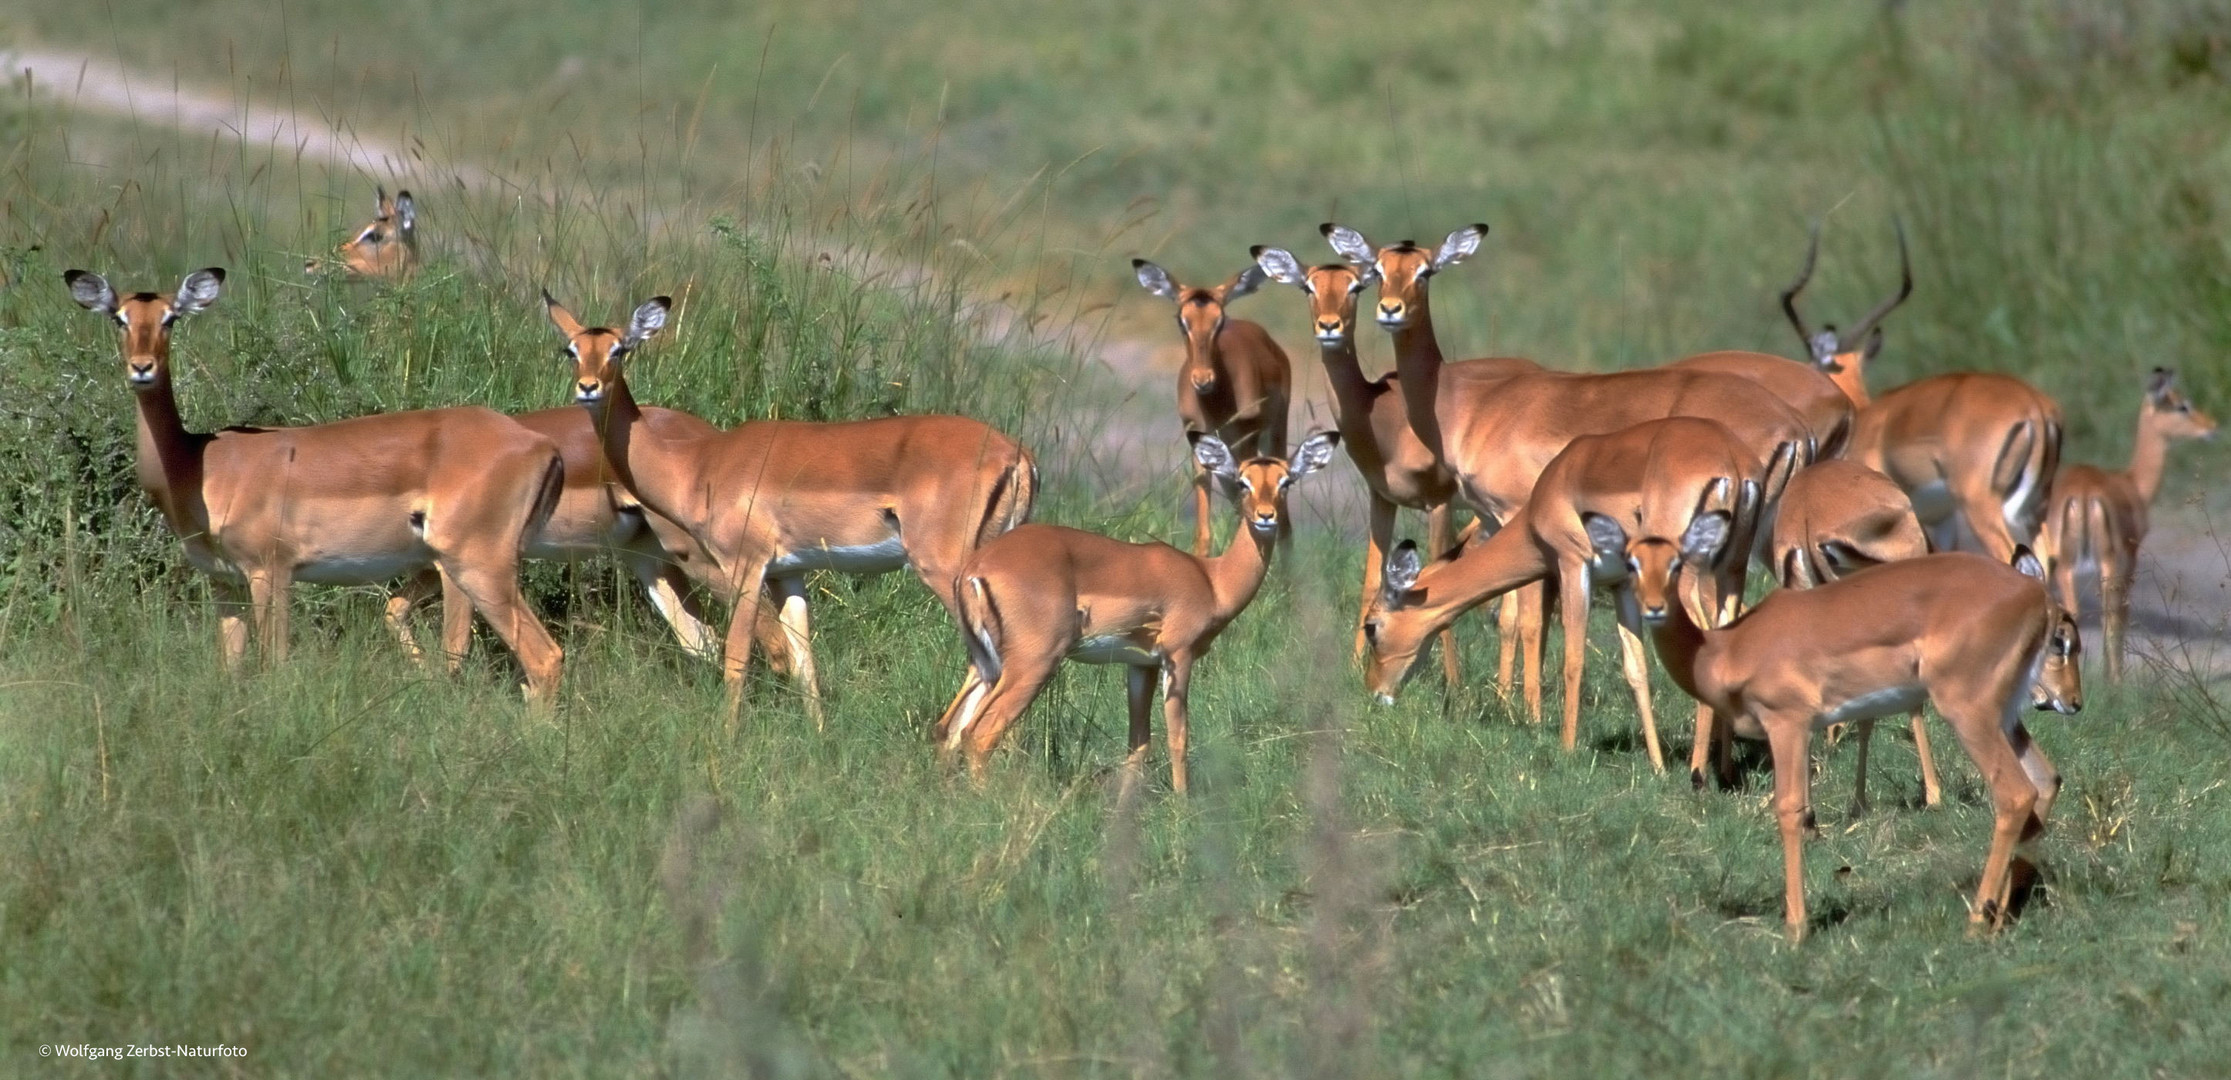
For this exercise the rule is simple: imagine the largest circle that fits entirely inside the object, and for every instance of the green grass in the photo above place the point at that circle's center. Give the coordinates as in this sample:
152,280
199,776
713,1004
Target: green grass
354,868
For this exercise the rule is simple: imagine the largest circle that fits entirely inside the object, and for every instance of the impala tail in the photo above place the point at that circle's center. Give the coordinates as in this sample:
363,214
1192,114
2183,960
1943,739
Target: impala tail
2024,471
1013,497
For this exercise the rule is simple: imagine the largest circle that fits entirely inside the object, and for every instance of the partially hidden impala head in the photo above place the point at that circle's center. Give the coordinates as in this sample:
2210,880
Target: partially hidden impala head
384,248
1655,564
146,318
1402,269
1200,316
1332,290
599,352
1844,354
2168,411
2058,683
1258,486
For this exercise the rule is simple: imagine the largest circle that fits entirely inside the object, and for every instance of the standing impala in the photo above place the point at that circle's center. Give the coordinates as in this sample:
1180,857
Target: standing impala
353,502
385,247
770,500
1970,448
1042,593
1838,517
1654,476
1976,637
1396,467
2097,518
1235,382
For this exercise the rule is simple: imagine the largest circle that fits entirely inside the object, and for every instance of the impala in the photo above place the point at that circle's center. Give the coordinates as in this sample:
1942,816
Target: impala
770,500
1397,469
2097,518
1235,381
385,247
1837,517
1971,448
1497,424
1654,476
347,503
1978,638
1042,593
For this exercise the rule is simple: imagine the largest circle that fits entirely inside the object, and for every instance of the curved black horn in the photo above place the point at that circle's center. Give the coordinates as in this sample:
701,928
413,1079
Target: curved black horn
1905,288
1789,295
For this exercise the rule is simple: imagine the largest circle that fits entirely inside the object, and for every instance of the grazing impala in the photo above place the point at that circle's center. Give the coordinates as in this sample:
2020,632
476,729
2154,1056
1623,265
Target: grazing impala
1654,476
386,247
1396,467
1235,382
1497,424
348,503
772,499
1837,517
1042,593
1971,448
1978,638
2097,517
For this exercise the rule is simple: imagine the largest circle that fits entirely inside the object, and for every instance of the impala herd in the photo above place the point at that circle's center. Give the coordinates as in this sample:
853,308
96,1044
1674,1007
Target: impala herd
1662,485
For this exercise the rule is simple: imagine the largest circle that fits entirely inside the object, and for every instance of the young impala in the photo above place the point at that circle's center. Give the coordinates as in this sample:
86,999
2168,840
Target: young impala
352,502
1235,382
1976,637
770,500
1972,449
1837,517
1043,593
2097,518
385,248
1655,475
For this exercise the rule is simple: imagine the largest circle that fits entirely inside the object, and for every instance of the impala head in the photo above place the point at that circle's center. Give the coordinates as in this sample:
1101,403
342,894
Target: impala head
1396,627
1259,486
1402,269
1200,315
2059,683
1845,354
1332,290
2169,412
1655,564
385,247
599,352
146,318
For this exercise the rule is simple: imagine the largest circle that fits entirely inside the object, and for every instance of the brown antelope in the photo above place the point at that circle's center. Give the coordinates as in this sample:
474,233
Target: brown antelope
385,248
1976,637
1497,424
1235,382
1971,448
770,500
2097,518
1837,517
1806,389
347,503
1397,468
1042,593
1656,475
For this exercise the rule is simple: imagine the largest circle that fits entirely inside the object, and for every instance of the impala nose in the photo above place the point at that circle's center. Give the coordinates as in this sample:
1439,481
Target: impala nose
1392,313
588,390
140,372
1328,329
1654,615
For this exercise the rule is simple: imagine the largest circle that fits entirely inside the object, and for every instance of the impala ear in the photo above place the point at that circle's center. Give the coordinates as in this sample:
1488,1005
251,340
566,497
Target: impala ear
1349,243
1154,279
1244,283
1315,453
2159,384
1706,535
1461,244
648,320
91,291
2025,560
1280,265
1604,535
560,317
1400,575
200,289
1214,456
380,206
406,212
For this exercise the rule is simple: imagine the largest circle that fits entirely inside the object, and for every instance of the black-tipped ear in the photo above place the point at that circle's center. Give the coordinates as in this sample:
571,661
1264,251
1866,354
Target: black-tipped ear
90,290
1605,536
1245,282
1280,265
1400,575
1213,455
2025,560
1706,536
1460,245
1154,279
2159,384
1349,243
648,320
200,289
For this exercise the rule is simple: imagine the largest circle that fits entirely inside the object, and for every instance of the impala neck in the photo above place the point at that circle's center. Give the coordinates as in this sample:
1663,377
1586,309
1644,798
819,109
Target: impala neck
1351,392
169,457
628,443
1236,574
1417,360
1850,377
2149,456
1488,569
1679,642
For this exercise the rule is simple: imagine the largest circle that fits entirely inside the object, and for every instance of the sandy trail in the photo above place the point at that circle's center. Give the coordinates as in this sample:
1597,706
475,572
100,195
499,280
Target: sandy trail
1133,441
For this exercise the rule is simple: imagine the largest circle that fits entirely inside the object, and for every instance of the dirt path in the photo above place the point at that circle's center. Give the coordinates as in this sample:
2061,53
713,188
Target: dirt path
1133,442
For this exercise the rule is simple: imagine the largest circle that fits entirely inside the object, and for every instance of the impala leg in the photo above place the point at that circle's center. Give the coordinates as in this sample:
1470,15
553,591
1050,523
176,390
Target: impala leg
1506,641
1863,737
1200,511
1932,792
1437,522
1020,680
1177,681
1790,740
1533,613
232,623
735,656
492,584
961,710
670,591
1375,545
797,631
1634,660
2014,796
457,622
1708,726
399,604
267,590
2114,606
1572,590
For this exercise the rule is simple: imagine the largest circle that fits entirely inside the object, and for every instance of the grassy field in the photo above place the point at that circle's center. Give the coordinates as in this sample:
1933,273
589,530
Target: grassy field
353,868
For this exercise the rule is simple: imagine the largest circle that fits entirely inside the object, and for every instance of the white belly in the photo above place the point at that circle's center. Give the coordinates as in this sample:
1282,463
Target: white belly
1113,649
1892,701
365,569
1932,502
875,558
